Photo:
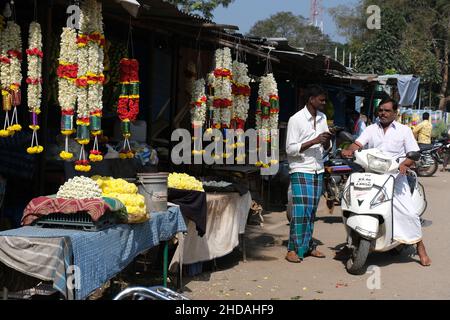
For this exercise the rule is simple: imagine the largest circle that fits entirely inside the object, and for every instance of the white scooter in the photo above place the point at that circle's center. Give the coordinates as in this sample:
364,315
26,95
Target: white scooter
367,205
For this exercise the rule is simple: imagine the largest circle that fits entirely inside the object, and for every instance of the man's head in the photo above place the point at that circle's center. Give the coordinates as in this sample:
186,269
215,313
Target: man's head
387,111
426,116
317,97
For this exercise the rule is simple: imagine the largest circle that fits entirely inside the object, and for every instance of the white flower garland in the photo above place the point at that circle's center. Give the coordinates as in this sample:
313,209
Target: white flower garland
222,88
241,98
34,81
67,89
34,68
198,102
267,117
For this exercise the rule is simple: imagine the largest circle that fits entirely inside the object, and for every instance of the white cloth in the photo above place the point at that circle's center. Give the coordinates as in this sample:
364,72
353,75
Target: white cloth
407,227
226,219
300,130
397,142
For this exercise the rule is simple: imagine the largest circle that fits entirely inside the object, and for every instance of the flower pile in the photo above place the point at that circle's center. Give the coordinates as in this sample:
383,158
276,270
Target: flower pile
11,76
79,188
127,193
222,89
34,81
67,89
128,105
184,181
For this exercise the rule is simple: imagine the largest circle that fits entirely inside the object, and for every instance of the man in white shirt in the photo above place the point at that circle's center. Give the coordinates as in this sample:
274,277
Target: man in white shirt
396,140
307,138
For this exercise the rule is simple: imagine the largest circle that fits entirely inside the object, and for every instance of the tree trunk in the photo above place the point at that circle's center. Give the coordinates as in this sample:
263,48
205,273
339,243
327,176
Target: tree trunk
443,92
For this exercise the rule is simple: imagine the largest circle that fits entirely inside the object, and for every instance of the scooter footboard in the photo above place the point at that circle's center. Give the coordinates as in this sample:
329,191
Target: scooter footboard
365,225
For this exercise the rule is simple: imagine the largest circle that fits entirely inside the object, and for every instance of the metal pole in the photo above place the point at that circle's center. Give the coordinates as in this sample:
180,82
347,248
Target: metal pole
165,262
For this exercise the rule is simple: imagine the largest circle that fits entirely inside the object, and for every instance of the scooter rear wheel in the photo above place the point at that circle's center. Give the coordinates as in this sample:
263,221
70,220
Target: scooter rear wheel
356,264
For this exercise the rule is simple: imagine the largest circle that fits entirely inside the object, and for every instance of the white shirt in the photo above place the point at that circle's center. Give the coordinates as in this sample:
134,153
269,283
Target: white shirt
301,130
396,142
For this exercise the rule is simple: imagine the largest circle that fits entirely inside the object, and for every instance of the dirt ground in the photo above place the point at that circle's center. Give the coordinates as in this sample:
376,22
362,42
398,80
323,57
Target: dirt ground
267,275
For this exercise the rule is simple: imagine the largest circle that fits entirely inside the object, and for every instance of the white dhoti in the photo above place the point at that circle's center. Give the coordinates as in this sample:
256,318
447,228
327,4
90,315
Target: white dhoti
407,227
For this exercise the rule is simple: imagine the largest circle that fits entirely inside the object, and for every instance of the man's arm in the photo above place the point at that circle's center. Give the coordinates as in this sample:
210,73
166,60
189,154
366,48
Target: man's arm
417,129
348,152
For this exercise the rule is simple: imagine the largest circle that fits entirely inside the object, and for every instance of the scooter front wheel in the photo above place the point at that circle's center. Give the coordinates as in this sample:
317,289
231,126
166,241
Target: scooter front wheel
356,264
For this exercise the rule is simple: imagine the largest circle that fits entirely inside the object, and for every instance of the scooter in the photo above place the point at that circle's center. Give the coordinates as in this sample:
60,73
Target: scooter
367,207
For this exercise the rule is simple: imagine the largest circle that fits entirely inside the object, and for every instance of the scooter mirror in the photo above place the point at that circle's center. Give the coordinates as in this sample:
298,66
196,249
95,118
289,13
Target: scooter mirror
413,155
344,135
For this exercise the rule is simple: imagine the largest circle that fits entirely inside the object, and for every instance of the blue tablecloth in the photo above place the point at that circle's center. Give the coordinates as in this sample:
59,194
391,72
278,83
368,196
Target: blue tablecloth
101,255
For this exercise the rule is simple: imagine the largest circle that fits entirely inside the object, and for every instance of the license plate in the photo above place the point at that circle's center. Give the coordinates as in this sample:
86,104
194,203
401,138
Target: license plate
364,182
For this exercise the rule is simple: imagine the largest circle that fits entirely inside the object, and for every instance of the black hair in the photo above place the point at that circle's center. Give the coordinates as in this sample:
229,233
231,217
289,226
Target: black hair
315,90
426,116
387,100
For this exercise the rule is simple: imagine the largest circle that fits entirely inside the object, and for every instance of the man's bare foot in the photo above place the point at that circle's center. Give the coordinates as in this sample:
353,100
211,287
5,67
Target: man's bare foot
424,258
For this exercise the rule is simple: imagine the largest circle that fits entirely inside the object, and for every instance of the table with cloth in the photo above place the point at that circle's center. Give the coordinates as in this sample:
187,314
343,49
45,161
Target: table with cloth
48,253
227,214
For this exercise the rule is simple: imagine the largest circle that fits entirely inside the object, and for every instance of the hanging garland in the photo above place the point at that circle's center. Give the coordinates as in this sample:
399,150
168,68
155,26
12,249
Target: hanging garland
222,89
67,90
11,76
241,94
90,42
267,109
34,81
128,105
198,103
198,112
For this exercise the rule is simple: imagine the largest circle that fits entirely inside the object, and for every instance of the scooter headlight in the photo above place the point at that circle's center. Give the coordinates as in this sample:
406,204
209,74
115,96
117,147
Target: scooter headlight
379,165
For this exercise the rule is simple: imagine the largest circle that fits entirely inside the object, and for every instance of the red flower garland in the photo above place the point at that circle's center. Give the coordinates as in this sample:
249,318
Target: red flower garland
128,105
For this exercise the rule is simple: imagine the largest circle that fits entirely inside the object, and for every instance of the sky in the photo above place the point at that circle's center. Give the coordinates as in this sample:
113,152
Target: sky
245,13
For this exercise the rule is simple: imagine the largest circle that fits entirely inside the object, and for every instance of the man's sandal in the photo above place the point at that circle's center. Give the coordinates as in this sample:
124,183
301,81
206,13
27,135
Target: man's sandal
291,256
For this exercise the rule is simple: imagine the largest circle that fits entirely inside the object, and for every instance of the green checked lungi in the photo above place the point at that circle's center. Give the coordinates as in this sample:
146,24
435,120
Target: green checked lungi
306,192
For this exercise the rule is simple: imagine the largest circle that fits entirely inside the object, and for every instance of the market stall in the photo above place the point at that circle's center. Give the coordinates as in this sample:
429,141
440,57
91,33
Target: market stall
48,254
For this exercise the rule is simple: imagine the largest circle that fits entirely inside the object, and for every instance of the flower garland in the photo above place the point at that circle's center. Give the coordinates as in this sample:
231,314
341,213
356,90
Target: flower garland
198,103
128,105
11,76
90,42
67,90
34,81
241,94
222,89
198,112
267,109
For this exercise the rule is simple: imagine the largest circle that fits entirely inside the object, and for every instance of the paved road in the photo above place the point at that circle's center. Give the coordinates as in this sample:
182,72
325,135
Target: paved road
267,275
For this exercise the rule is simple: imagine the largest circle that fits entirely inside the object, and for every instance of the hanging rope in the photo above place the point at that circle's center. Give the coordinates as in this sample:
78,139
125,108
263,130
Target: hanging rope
199,60
268,63
130,39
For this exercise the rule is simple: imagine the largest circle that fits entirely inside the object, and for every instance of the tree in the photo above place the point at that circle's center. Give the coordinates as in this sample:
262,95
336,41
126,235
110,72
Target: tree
296,30
205,7
421,29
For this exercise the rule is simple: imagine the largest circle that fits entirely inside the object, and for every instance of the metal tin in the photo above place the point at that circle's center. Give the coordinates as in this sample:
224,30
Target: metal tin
67,122
95,123
125,126
82,132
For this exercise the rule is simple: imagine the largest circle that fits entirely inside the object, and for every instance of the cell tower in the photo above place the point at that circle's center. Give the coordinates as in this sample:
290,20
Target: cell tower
316,15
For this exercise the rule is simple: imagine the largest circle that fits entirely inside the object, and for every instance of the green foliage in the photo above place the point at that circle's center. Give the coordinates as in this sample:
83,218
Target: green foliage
439,130
204,7
296,30
411,40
